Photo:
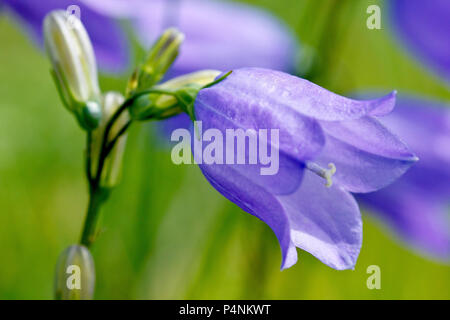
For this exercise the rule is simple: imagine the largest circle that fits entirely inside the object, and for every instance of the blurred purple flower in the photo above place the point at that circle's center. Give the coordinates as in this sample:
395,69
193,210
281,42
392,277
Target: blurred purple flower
417,206
316,127
108,39
219,35
424,27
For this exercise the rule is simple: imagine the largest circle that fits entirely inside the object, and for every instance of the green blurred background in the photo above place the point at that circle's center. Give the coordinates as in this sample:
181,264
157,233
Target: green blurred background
167,233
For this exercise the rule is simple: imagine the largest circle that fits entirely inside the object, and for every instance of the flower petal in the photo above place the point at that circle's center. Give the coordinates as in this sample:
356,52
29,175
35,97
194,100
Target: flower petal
302,96
326,222
243,107
425,125
300,137
366,154
109,41
255,200
323,221
289,173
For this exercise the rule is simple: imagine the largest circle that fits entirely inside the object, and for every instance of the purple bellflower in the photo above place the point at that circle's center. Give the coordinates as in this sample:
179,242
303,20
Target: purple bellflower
108,39
304,204
417,206
424,27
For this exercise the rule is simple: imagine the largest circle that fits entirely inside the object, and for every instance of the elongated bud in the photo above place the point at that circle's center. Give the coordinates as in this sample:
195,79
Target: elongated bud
75,274
160,105
74,68
159,59
113,164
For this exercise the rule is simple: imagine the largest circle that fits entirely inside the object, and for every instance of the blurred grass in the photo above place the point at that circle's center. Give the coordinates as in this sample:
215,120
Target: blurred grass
168,233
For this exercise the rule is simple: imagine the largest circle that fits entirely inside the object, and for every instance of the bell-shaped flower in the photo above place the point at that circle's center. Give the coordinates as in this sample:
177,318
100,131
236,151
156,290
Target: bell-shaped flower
73,66
323,147
417,206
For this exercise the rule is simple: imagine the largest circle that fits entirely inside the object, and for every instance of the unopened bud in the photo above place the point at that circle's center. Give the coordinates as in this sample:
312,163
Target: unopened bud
159,59
74,68
160,105
75,274
90,115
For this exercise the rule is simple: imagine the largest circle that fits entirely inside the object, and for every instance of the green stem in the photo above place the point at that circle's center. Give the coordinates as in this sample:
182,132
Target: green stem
111,144
96,199
97,194
89,157
104,151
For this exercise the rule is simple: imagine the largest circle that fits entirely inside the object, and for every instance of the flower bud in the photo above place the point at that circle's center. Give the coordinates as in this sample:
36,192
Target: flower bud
90,115
75,274
159,106
160,57
74,67
113,163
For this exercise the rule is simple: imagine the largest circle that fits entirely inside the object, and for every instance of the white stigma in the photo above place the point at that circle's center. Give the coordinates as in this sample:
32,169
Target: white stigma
327,174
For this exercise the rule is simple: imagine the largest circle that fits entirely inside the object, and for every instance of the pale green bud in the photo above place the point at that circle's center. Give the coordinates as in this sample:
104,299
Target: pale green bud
75,274
159,106
74,68
159,59
112,167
